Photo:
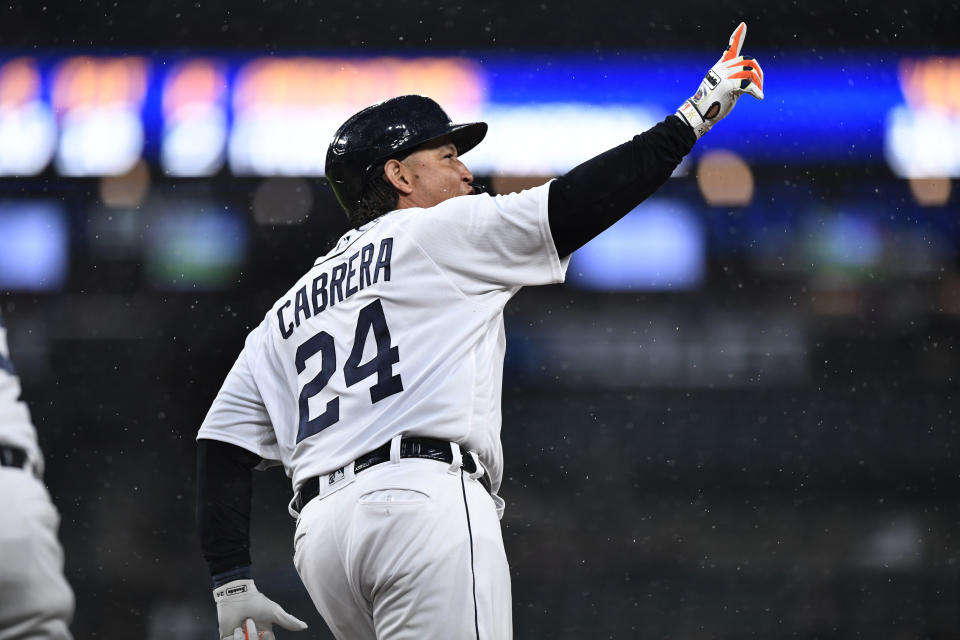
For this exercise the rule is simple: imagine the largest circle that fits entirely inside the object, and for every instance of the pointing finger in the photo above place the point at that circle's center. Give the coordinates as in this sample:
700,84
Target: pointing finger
736,43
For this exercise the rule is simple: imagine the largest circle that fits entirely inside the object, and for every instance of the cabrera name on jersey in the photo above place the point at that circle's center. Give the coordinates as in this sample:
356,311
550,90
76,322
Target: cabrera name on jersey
397,330
342,281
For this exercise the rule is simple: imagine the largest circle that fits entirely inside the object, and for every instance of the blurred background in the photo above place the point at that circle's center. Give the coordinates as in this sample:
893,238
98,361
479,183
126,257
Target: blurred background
737,418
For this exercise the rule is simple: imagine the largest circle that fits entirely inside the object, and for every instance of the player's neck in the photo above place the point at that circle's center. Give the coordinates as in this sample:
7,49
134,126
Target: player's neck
412,202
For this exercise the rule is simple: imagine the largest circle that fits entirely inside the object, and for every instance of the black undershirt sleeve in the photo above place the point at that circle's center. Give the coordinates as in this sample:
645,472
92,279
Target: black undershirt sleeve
589,198
224,487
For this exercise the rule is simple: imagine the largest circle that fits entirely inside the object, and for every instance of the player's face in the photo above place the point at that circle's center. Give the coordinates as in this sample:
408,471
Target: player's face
436,174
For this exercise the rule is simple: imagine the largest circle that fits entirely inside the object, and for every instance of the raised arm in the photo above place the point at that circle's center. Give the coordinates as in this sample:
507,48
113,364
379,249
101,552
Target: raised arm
591,197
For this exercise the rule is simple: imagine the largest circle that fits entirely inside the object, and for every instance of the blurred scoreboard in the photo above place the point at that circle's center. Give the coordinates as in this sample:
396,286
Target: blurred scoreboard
97,116
93,115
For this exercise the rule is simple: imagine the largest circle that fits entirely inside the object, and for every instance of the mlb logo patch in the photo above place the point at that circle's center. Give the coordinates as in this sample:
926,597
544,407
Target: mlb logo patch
335,477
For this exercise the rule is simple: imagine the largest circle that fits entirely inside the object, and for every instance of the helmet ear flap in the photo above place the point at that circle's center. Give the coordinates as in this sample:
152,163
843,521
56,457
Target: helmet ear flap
381,132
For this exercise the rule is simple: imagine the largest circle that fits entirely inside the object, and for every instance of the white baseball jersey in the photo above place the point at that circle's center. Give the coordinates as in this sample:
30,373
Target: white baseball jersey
16,429
398,330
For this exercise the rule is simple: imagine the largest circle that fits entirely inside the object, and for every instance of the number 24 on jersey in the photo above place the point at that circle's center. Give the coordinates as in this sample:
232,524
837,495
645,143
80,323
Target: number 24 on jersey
322,344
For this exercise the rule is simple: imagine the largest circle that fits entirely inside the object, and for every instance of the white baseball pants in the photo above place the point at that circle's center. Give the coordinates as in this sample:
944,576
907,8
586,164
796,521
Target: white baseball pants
408,550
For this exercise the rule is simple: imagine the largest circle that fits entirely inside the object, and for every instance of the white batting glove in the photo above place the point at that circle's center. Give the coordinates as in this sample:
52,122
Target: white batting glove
730,78
239,603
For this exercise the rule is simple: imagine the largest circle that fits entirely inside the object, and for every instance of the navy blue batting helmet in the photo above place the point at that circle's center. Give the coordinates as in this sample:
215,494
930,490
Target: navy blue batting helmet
386,130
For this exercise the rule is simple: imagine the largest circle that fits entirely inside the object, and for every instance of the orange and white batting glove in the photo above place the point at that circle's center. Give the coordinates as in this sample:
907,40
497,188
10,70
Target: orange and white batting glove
249,632
732,76
241,609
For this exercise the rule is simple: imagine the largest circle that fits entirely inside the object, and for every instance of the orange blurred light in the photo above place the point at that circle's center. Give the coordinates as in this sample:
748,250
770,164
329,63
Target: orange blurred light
19,82
931,83
930,192
85,81
318,82
725,179
128,189
195,81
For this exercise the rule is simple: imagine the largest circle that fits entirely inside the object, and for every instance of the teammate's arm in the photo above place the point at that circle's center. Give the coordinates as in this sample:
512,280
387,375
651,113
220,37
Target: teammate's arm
591,197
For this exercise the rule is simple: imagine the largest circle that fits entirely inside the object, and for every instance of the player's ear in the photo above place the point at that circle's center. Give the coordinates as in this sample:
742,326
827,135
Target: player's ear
397,174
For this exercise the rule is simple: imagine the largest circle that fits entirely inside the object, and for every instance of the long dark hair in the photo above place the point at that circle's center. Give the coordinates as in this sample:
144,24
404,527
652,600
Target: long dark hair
379,197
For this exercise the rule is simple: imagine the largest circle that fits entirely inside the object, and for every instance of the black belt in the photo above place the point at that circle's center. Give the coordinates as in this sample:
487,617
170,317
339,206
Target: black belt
12,457
429,448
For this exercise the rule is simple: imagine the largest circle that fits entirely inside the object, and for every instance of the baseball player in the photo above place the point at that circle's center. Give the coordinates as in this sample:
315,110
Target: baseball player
35,599
375,379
